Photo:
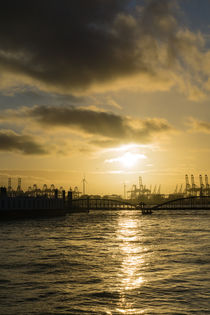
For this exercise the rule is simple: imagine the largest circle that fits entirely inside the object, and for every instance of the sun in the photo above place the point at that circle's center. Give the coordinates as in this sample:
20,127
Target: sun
127,159
130,159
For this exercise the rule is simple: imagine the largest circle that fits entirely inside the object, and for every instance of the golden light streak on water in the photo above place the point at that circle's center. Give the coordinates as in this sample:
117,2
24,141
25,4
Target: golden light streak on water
130,276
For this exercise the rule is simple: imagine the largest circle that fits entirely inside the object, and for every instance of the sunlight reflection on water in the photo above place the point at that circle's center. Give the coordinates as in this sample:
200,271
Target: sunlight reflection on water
130,276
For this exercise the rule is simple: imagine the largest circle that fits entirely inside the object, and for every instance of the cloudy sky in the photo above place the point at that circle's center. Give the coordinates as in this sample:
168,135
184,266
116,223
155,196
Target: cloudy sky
106,89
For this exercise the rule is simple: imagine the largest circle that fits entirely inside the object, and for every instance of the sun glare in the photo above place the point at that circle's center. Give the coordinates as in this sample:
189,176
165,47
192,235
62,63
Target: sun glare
128,159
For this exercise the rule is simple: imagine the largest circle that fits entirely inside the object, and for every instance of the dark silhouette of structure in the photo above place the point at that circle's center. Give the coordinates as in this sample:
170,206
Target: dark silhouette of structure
188,203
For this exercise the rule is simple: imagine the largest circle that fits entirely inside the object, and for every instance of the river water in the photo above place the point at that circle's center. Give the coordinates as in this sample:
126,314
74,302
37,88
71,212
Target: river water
114,262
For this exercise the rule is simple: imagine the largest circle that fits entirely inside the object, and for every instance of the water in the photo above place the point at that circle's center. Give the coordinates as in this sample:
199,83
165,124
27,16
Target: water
116,262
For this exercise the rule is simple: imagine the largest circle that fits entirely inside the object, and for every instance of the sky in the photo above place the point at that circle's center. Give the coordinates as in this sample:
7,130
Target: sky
109,90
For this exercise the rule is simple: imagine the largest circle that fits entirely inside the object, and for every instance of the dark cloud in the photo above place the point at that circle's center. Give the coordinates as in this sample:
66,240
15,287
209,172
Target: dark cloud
67,44
111,127
12,142
89,121
70,45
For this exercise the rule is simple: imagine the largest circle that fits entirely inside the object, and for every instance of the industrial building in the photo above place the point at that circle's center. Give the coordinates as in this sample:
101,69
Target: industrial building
142,193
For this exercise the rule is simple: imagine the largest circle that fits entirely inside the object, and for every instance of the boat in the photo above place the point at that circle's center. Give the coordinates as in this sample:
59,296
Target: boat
144,210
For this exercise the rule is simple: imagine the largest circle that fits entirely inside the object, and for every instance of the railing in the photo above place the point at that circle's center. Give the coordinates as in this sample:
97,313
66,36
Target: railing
101,204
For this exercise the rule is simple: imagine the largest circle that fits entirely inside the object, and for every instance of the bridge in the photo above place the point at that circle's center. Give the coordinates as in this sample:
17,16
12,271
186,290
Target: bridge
101,204
188,203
